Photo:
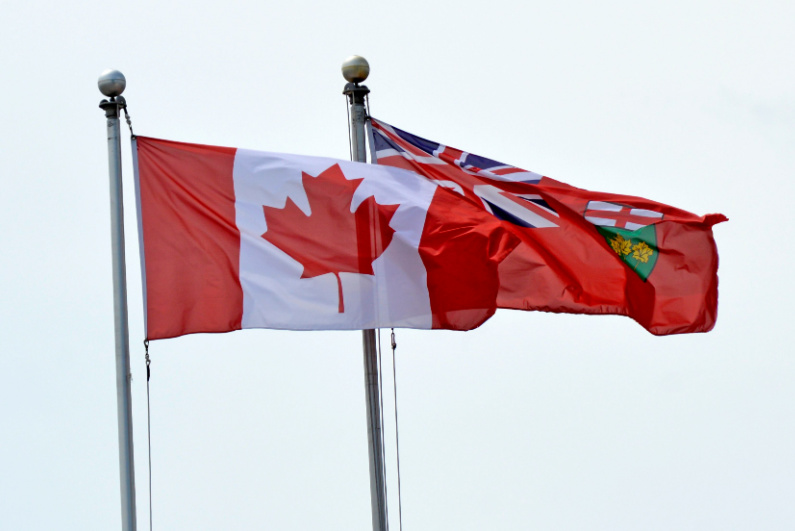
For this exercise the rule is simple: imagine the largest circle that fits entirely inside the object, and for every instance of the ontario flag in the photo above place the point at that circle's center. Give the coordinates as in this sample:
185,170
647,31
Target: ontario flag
579,251
233,238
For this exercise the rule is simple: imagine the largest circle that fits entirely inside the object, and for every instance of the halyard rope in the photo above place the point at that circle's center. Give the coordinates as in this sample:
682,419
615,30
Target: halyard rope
381,422
148,426
397,434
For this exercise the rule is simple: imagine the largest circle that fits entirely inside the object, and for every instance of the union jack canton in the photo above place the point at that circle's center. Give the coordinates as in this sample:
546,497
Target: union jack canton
484,181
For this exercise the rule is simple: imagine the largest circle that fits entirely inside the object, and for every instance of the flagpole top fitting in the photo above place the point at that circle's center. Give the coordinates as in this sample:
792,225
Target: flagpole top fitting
111,83
355,69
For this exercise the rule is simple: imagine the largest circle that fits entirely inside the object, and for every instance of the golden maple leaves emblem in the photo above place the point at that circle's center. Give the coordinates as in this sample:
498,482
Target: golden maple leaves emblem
621,246
624,247
642,252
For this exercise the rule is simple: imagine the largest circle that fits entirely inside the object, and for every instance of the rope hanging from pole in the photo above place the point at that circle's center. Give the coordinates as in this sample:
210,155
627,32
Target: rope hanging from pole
397,433
123,103
148,423
381,419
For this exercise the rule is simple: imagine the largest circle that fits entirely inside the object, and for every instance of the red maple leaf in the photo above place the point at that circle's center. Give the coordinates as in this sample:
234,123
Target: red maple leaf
331,239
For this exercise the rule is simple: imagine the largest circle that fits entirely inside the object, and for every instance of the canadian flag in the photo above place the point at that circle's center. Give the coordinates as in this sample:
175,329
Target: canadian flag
233,238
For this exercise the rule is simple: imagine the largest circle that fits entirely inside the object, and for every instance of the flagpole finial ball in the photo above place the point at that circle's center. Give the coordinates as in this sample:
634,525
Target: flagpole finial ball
355,69
111,83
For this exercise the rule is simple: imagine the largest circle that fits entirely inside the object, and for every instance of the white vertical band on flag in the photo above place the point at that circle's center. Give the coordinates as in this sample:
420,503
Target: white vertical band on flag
275,295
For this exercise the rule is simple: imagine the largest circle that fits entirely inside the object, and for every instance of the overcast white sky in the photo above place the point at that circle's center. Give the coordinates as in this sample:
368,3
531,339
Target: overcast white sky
533,421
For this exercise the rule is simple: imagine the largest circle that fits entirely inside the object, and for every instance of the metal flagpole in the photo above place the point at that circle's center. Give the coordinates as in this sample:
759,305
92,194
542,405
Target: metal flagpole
112,83
355,69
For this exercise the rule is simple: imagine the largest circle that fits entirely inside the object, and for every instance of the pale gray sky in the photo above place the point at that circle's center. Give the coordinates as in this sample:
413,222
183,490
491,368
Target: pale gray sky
533,421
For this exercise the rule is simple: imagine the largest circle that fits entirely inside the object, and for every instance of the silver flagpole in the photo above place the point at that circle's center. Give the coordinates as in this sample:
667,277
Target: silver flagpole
112,83
355,70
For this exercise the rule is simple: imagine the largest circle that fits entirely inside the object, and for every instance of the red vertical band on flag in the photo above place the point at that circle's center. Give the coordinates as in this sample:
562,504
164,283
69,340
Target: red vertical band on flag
461,248
191,242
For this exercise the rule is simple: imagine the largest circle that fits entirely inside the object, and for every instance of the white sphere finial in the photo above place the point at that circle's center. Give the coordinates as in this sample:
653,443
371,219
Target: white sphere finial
355,69
111,83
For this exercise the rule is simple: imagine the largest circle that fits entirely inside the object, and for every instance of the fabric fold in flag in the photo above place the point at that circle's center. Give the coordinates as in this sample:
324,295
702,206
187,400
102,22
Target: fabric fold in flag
232,239
579,251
